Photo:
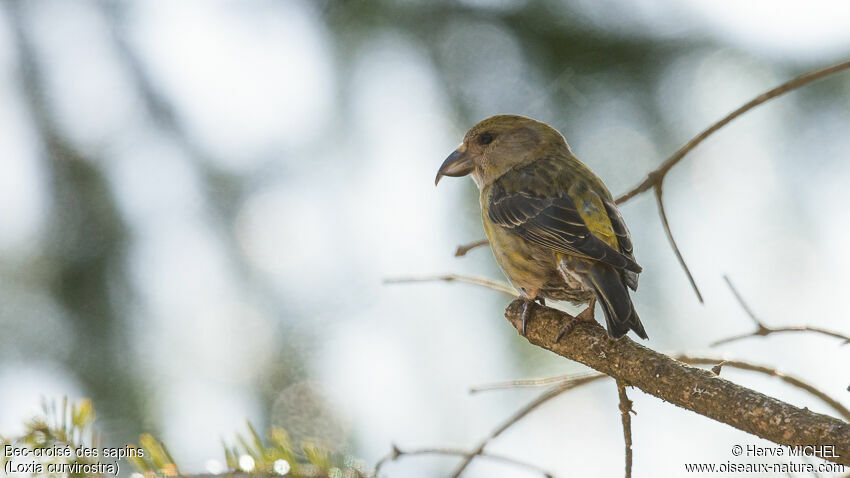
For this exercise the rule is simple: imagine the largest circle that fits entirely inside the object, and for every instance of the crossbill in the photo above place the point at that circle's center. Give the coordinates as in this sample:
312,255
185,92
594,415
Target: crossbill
553,226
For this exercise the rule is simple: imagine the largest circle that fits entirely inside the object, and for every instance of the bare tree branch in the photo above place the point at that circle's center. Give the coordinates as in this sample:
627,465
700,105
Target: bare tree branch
763,330
534,382
793,381
464,248
657,175
688,387
396,453
479,281
537,402
520,414
626,417
717,365
742,303
663,213
777,330
655,179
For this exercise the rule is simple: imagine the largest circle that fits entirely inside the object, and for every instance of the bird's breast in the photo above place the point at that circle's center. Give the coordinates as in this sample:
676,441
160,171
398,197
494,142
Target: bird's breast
529,267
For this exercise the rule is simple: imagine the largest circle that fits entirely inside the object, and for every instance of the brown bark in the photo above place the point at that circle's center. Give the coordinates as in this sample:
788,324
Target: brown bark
688,387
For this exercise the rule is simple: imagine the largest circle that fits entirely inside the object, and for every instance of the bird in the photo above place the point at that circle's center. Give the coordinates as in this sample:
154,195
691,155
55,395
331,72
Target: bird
552,224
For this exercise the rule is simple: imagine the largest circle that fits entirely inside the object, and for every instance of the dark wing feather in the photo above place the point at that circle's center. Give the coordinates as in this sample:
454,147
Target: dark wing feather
553,222
624,239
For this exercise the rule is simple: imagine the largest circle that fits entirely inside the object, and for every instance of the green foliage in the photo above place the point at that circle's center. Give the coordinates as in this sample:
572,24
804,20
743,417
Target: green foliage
251,454
71,425
68,425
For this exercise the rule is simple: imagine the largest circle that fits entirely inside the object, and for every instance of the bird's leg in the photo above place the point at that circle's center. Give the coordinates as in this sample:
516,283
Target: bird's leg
529,302
570,324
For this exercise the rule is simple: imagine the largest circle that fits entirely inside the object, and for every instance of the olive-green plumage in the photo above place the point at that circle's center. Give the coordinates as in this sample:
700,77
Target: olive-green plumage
552,224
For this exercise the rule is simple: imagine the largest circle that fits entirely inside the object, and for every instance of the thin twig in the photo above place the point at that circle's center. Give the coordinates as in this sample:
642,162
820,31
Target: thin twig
662,212
718,367
657,175
763,330
519,415
464,248
655,178
626,417
396,453
777,330
743,303
534,382
537,402
480,281
793,381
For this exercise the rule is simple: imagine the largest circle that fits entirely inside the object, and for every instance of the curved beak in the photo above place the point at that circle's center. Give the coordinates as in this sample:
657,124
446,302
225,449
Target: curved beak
456,165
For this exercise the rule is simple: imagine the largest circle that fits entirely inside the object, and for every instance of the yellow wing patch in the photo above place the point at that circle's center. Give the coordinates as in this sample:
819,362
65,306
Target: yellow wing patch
593,212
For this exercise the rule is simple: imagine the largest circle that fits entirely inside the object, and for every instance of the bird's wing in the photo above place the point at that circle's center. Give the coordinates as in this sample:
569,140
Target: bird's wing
624,239
528,203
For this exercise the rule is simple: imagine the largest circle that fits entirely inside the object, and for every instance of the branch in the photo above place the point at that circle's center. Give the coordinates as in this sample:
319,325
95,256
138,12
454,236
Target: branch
663,213
655,179
519,415
397,453
534,382
479,281
626,417
626,404
464,248
793,381
657,175
763,330
770,330
717,363
688,387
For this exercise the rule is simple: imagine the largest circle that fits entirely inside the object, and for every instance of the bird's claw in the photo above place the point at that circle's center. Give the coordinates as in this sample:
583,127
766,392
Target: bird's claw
526,306
524,315
567,328
572,322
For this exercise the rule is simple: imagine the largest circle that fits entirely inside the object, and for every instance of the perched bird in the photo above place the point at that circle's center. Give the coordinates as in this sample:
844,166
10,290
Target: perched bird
552,224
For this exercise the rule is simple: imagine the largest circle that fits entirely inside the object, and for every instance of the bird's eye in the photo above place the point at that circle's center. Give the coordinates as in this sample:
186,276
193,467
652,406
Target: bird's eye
485,138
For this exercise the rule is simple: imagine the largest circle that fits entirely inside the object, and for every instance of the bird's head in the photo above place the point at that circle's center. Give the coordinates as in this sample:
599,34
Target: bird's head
496,145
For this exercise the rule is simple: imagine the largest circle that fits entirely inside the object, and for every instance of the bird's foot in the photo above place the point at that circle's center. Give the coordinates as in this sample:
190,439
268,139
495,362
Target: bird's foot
572,322
568,327
527,305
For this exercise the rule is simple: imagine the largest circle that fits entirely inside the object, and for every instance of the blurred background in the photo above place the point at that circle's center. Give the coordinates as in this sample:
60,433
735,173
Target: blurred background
200,200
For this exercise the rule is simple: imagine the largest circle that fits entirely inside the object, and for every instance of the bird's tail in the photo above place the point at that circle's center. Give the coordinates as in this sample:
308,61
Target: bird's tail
620,314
